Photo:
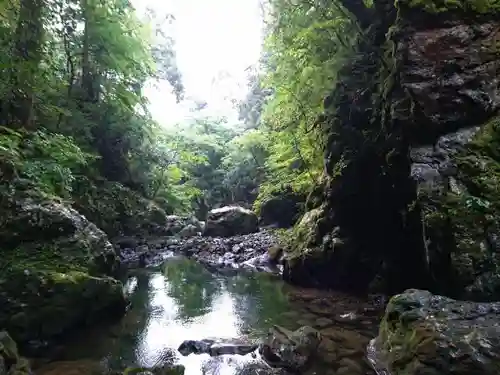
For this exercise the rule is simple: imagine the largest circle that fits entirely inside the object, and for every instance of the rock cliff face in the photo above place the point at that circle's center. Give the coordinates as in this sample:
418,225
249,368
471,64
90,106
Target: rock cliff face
412,163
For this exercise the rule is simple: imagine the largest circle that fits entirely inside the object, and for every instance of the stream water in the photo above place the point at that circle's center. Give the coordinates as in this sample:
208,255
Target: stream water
181,300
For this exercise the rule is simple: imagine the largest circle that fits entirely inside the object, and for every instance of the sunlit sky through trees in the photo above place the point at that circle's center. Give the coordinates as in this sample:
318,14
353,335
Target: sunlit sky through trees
216,41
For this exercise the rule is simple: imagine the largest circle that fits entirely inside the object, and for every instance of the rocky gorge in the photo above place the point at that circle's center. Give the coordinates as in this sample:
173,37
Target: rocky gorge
409,341
391,263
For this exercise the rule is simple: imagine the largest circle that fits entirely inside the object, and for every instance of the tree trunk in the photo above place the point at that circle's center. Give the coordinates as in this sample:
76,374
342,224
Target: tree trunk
18,109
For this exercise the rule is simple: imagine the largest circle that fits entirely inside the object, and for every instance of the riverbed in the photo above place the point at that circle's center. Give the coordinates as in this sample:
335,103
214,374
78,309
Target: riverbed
181,300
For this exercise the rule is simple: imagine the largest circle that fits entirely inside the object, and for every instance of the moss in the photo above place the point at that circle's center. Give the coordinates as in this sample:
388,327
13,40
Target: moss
51,258
44,304
460,221
405,338
303,237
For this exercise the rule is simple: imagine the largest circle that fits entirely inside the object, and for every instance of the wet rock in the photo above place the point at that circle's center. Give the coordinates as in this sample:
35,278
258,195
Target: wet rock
237,252
457,84
10,361
215,347
426,333
230,221
290,349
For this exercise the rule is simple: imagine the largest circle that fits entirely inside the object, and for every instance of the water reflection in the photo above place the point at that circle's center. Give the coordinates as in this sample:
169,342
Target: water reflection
183,301
179,302
191,286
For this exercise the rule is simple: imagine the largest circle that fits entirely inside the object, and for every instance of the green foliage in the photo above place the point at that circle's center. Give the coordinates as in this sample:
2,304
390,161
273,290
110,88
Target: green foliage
73,74
306,46
48,160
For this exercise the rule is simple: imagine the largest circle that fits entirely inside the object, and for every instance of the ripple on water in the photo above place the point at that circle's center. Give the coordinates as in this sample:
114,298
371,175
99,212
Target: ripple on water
184,301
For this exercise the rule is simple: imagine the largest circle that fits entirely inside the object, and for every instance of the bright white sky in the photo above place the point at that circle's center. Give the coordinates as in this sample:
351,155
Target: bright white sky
216,40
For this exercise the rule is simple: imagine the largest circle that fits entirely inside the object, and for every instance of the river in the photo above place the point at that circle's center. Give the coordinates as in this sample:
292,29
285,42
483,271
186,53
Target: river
181,300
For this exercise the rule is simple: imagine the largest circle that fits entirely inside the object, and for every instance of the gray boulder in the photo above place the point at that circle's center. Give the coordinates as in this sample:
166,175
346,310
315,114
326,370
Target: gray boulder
230,221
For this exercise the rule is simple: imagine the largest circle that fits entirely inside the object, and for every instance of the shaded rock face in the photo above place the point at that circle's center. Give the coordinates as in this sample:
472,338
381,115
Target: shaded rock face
282,210
423,333
451,68
230,221
398,209
51,268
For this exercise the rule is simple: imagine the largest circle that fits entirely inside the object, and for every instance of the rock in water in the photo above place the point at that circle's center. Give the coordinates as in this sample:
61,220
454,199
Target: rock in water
423,333
215,347
230,221
290,349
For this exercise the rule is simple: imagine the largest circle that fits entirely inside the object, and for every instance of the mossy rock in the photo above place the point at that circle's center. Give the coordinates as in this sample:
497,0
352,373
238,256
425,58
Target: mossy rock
314,251
51,269
39,231
117,209
10,361
38,305
422,333
462,222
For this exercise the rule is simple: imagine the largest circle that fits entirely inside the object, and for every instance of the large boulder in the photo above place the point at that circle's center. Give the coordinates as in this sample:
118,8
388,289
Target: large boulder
53,267
118,210
281,209
423,333
230,221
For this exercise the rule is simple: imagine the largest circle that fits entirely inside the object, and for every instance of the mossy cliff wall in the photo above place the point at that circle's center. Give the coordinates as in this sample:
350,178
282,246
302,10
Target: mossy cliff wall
412,163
